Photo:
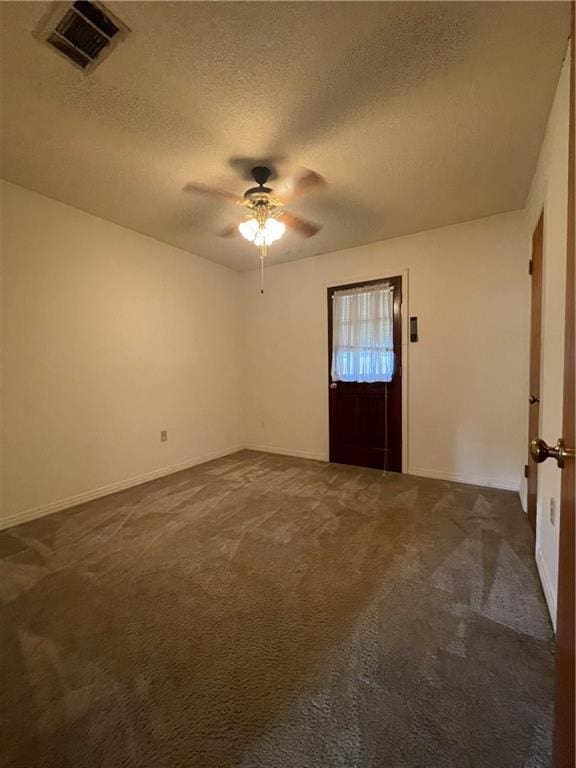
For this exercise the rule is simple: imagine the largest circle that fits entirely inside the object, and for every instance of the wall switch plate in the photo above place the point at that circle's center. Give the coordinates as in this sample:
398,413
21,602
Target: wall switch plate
163,435
413,329
552,510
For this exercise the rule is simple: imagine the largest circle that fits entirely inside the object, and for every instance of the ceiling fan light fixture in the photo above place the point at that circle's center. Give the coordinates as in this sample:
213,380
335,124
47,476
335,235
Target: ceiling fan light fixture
249,229
265,234
272,231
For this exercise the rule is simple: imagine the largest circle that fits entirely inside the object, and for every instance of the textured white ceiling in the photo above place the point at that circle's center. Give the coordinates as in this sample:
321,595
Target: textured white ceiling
418,114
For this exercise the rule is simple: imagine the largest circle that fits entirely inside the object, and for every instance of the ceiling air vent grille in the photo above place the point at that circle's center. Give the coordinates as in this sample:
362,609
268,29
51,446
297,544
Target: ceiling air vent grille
83,32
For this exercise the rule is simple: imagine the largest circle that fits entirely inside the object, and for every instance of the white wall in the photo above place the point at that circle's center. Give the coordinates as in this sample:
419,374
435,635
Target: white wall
108,337
466,375
549,192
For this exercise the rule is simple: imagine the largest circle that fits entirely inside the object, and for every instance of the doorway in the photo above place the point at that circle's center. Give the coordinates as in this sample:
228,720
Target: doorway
535,362
365,373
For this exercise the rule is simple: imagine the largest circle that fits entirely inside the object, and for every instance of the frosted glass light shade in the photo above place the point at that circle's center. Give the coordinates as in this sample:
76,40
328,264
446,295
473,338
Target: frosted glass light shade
249,229
269,233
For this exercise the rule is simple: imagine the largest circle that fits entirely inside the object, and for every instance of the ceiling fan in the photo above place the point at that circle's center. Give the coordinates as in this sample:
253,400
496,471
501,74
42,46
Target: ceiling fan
265,220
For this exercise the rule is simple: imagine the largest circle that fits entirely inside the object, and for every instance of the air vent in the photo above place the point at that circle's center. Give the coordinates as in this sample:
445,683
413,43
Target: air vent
83,32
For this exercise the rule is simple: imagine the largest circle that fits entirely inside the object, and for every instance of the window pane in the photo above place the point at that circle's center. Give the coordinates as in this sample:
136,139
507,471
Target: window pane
362,334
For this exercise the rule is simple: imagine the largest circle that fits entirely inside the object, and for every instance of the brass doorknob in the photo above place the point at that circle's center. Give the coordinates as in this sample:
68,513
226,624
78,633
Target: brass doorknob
333,385
540,451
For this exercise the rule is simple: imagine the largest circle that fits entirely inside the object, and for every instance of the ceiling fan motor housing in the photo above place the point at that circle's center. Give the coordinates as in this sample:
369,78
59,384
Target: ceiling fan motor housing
260,174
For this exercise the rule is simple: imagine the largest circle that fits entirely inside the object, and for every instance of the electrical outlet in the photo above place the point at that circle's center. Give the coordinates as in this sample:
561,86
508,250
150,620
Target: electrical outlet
163,435
552,511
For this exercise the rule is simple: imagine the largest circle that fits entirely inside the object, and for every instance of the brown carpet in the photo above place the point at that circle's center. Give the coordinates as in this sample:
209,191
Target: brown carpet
267,612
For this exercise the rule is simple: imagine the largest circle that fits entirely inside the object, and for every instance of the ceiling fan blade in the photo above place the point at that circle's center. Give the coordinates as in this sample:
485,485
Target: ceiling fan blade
303,184
230,231
202,189
303,227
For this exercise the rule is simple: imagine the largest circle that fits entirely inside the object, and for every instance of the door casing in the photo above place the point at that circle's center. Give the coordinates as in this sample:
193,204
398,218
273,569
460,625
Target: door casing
536,267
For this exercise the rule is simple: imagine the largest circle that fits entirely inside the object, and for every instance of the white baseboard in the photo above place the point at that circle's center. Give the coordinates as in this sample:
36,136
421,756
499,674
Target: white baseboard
547,587
105,490
490,482
286,452
524,494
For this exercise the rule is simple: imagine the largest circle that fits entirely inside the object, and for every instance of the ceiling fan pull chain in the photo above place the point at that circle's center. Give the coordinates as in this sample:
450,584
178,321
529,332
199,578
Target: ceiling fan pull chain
262,254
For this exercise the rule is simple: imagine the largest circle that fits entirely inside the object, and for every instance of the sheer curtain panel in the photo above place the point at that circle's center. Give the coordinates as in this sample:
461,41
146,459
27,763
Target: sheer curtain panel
362,334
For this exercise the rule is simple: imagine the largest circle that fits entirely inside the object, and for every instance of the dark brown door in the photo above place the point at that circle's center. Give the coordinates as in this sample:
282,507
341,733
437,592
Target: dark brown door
565,635
535,357
366,419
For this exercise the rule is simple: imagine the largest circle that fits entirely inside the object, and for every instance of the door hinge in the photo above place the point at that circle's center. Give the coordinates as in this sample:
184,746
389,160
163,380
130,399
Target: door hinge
526,470
530,267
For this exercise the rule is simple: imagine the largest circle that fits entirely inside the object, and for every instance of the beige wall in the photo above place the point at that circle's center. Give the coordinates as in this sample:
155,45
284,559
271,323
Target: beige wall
107,337
466,376
549,192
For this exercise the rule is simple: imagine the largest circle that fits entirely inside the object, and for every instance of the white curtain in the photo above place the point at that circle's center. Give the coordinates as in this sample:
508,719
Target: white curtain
362,333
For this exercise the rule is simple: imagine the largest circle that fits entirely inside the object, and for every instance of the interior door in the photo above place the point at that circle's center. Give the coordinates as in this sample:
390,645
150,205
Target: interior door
366,418
535,358
564,750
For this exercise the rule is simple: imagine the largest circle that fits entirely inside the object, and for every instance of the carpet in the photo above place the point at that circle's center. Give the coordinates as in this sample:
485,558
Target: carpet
262,611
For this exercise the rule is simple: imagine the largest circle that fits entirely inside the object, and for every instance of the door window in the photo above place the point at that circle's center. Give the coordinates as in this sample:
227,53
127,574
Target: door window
362,333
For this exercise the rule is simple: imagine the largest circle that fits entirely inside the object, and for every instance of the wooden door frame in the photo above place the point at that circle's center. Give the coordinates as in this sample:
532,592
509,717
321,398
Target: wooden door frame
564,747
398,334
536,312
